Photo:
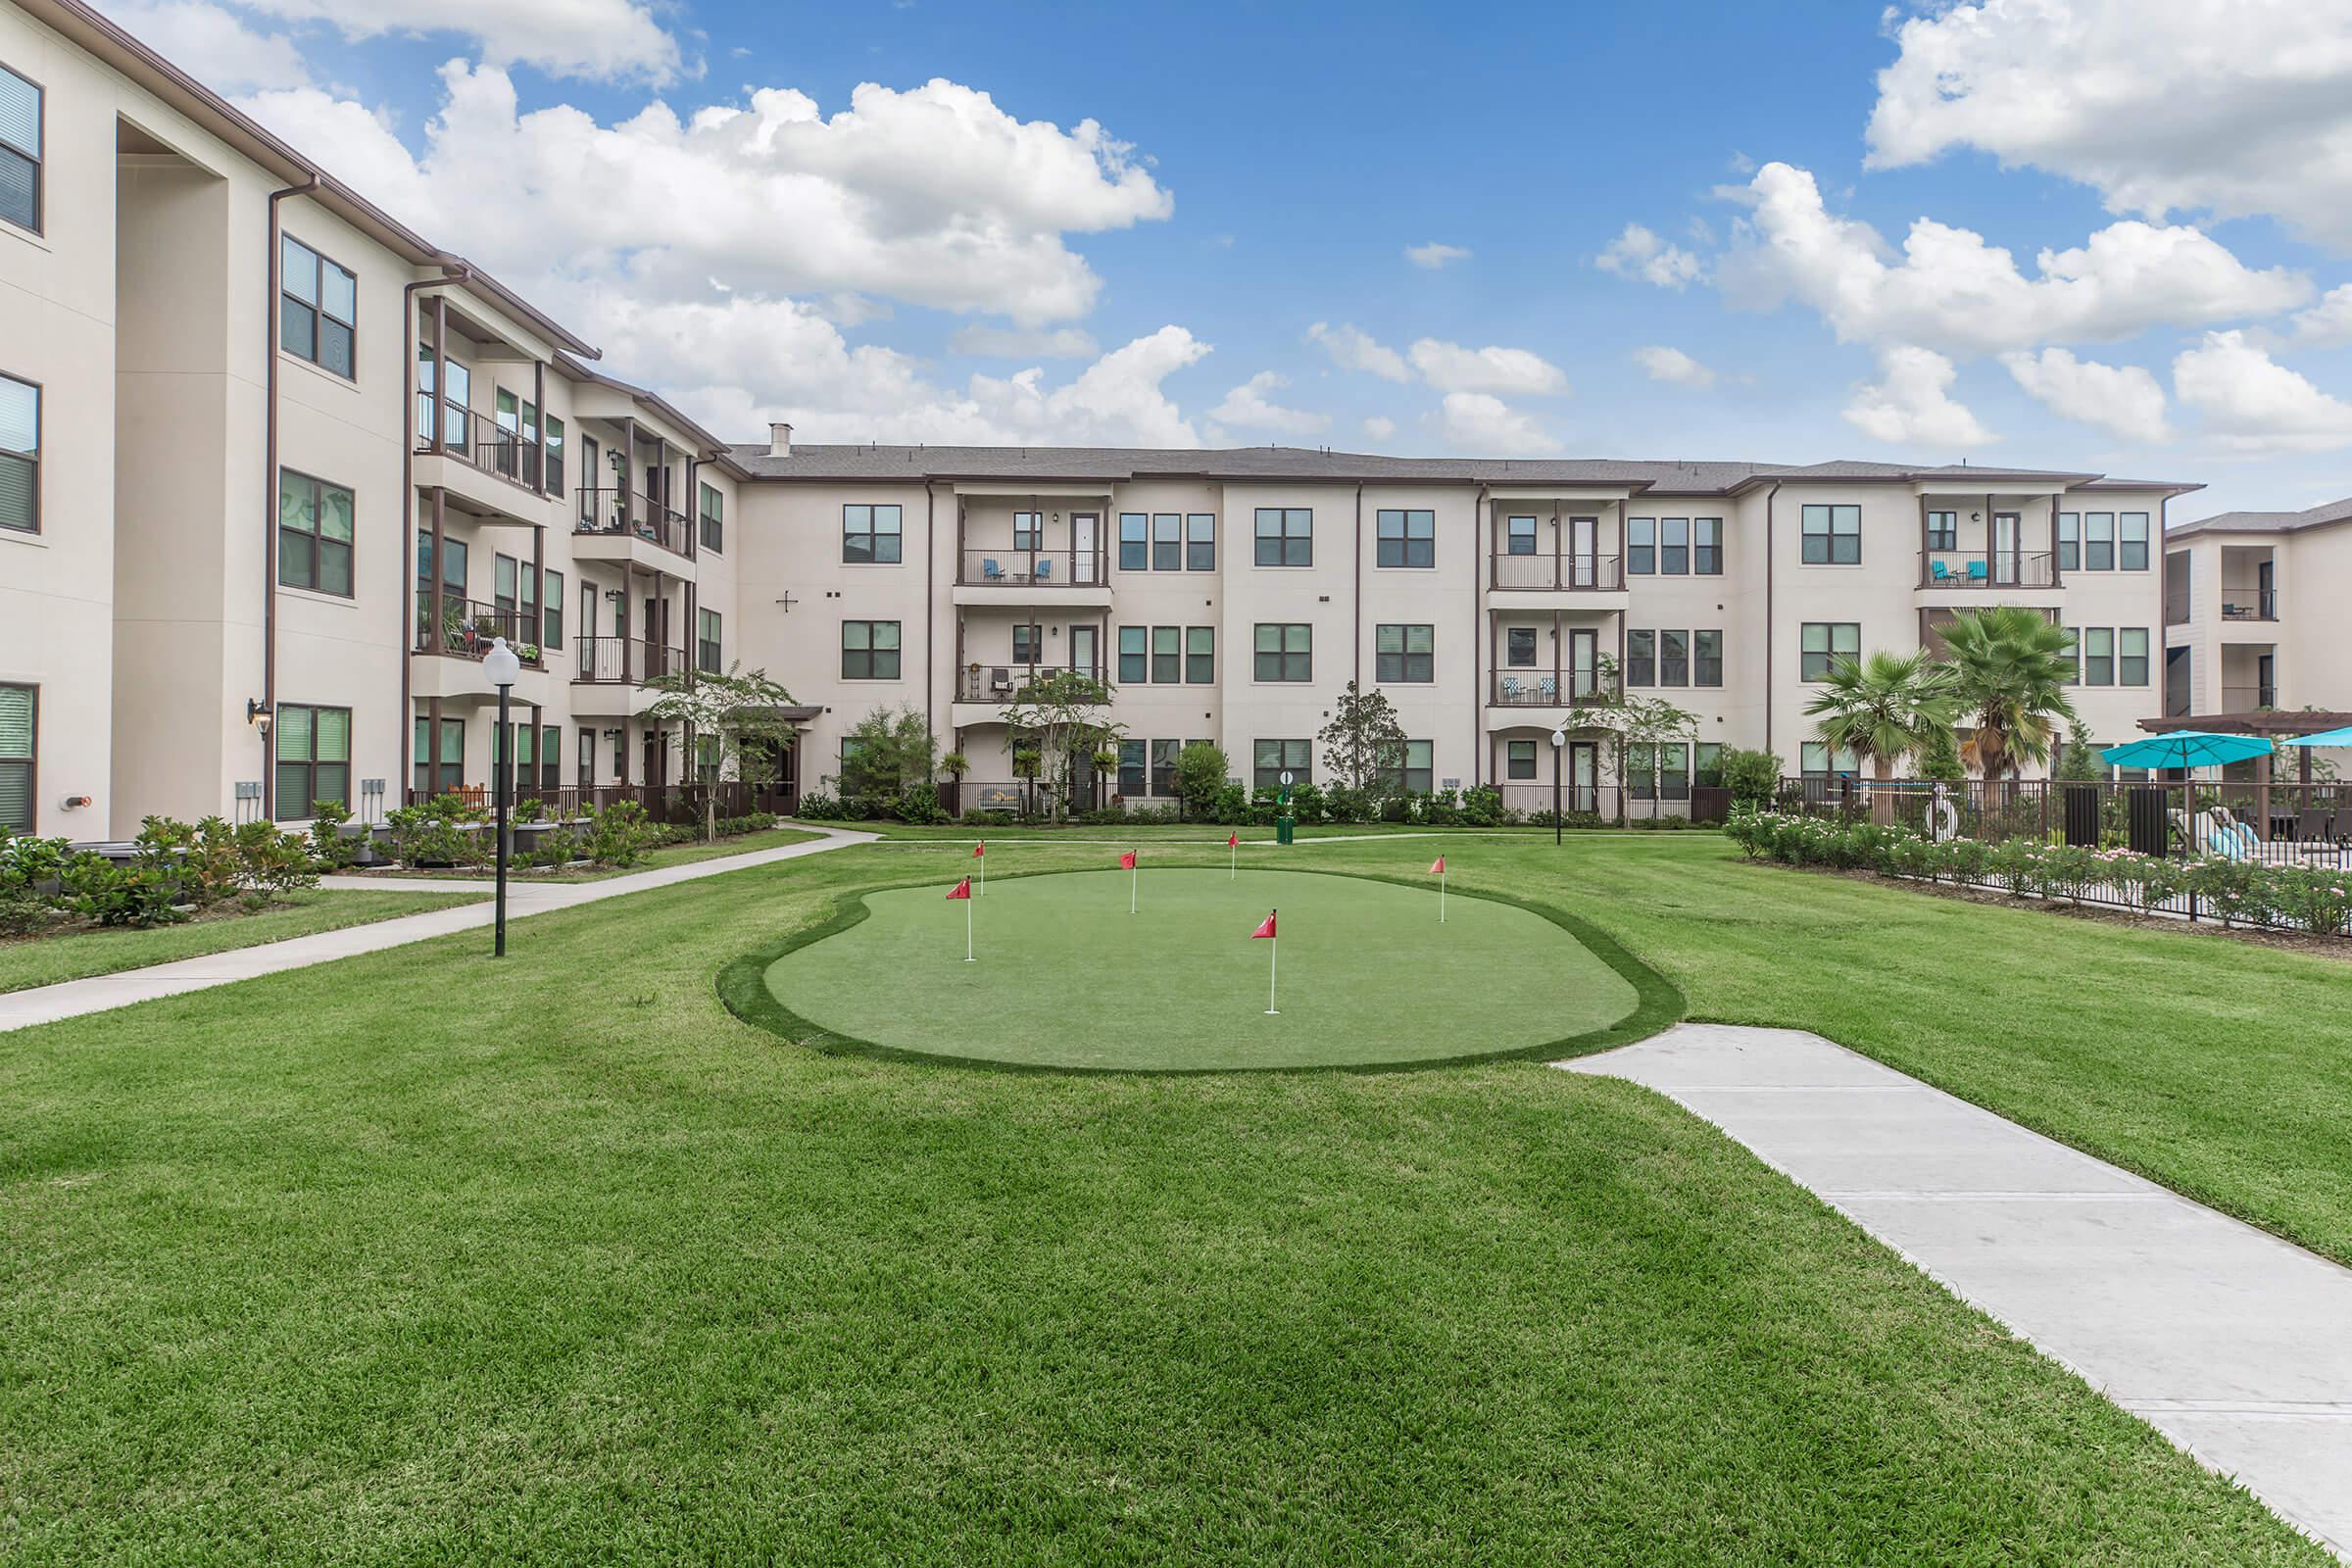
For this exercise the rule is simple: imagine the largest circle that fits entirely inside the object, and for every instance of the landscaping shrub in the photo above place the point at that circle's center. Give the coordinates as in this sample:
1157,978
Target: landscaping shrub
818,807
2310,899
557,848
918,802
111,895
442,831
1749,776
619,835
1232,806
328,845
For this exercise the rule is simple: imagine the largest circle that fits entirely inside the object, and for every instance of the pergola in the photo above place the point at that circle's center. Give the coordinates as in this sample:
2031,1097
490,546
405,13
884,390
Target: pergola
2271,722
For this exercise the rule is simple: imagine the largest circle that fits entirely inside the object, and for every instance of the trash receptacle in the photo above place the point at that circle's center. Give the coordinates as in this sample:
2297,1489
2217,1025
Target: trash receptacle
1281,828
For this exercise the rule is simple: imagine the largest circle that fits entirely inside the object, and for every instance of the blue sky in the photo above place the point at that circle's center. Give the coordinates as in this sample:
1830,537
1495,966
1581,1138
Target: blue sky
1262,170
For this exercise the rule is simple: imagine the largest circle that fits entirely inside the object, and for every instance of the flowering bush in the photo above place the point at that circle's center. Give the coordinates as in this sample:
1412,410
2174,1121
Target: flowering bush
2307,898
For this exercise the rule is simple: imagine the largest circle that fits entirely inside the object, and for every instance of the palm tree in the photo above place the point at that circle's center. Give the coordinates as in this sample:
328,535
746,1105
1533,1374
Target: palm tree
2009,668
1883,711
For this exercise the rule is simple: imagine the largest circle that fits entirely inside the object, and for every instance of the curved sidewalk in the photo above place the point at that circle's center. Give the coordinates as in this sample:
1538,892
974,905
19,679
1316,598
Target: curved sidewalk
20,1009
2234,1343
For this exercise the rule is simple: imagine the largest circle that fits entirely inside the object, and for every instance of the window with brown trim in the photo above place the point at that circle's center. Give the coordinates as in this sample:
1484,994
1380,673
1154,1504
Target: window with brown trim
20,454
20,738
21,169
318,308
314,534
439,775
313,758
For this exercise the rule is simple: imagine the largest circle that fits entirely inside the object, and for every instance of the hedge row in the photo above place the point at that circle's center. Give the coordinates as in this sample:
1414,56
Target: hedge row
2312,898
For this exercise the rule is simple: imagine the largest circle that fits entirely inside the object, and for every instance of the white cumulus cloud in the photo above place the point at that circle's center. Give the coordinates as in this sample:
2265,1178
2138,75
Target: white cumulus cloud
1911,403
1483,425
1251,407
2328,323
1017,343
1433,256
1673,367
1952,291
2252,404
1354,349
1380,427
1638,253
2124,399
1510,372
214,45
2235,107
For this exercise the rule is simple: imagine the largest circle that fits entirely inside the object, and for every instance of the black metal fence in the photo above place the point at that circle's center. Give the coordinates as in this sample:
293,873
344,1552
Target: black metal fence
681,803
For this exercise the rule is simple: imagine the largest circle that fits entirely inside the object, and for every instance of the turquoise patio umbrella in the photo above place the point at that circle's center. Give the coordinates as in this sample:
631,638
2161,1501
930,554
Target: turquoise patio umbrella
2186,747
2326,736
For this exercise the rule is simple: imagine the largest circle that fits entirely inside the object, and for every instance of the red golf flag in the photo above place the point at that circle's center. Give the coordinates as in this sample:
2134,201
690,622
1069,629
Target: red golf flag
1233,841
980,848
1127,863
962,890
1439,870
1266,927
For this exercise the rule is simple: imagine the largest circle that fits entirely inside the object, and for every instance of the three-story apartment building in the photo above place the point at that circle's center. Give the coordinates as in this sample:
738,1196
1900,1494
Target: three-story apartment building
1230,595
2246,623
275,469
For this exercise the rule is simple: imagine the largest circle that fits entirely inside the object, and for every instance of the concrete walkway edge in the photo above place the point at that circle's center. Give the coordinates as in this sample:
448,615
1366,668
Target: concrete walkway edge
71,999
2232,1342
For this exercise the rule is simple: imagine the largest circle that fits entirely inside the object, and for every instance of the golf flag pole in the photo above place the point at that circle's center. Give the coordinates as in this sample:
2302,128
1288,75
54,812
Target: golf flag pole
1233,854
1439,872
1265,929
1127,864
980,854
964,891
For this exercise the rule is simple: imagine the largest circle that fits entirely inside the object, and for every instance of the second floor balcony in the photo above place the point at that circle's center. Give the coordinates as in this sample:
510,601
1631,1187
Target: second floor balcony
1545,689
619,524
2249,604
1521,572
624,661
1976,570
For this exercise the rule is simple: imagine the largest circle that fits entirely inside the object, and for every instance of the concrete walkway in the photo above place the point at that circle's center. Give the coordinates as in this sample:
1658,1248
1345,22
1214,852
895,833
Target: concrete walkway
20,1010
2234,1343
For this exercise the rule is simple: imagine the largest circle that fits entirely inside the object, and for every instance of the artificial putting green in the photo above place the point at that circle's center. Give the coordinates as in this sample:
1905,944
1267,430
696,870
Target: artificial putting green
1065,977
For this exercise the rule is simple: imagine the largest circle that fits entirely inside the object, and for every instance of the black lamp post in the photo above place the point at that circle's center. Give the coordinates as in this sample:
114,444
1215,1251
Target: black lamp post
502,666
1560,743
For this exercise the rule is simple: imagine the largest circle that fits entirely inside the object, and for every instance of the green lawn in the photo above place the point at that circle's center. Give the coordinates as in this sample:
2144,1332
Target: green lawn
1065,976
49,959
424,1259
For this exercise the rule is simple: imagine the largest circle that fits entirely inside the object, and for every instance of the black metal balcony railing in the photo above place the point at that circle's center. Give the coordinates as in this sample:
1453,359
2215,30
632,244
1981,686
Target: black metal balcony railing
1541,688
1978,568
616,513
608,661
1011,683
1005,567
1564,573
467,627
508,453
2258,603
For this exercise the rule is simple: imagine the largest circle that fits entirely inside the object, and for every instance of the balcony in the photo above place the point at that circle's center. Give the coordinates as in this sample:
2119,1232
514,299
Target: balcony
1594,583
2246,699
609,676
493,475
1008,576
982,693
622,526
1968,571
1518,699
2249,604
451,652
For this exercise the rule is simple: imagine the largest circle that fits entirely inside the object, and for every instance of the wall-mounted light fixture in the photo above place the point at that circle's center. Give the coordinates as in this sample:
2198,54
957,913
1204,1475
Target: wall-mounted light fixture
257,712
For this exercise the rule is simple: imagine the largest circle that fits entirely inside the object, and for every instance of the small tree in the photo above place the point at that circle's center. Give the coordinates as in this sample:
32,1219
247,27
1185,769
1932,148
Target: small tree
1753,778
2080,762
1941,761
1201,770
1363,744
1059,717
887,752
735,717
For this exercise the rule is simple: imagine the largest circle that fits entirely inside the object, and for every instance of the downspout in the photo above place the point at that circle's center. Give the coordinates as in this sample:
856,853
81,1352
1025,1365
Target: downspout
1355,597
1481,536
1769,496
930,604
408,520
276,283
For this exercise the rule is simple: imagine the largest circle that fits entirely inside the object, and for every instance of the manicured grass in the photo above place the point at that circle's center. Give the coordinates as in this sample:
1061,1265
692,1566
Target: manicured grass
48,960
1067,977
668,855
1148,832
424,1257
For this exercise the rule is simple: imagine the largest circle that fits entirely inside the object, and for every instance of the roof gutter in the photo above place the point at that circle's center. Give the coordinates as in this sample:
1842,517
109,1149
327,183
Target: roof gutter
271,330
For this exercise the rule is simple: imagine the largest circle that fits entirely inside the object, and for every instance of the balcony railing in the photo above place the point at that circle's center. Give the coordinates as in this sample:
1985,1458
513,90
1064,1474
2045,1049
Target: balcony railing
1033,568
1011,684
1975,568
1541,688
615,512
1563,573
2257,604
467,627
624,661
